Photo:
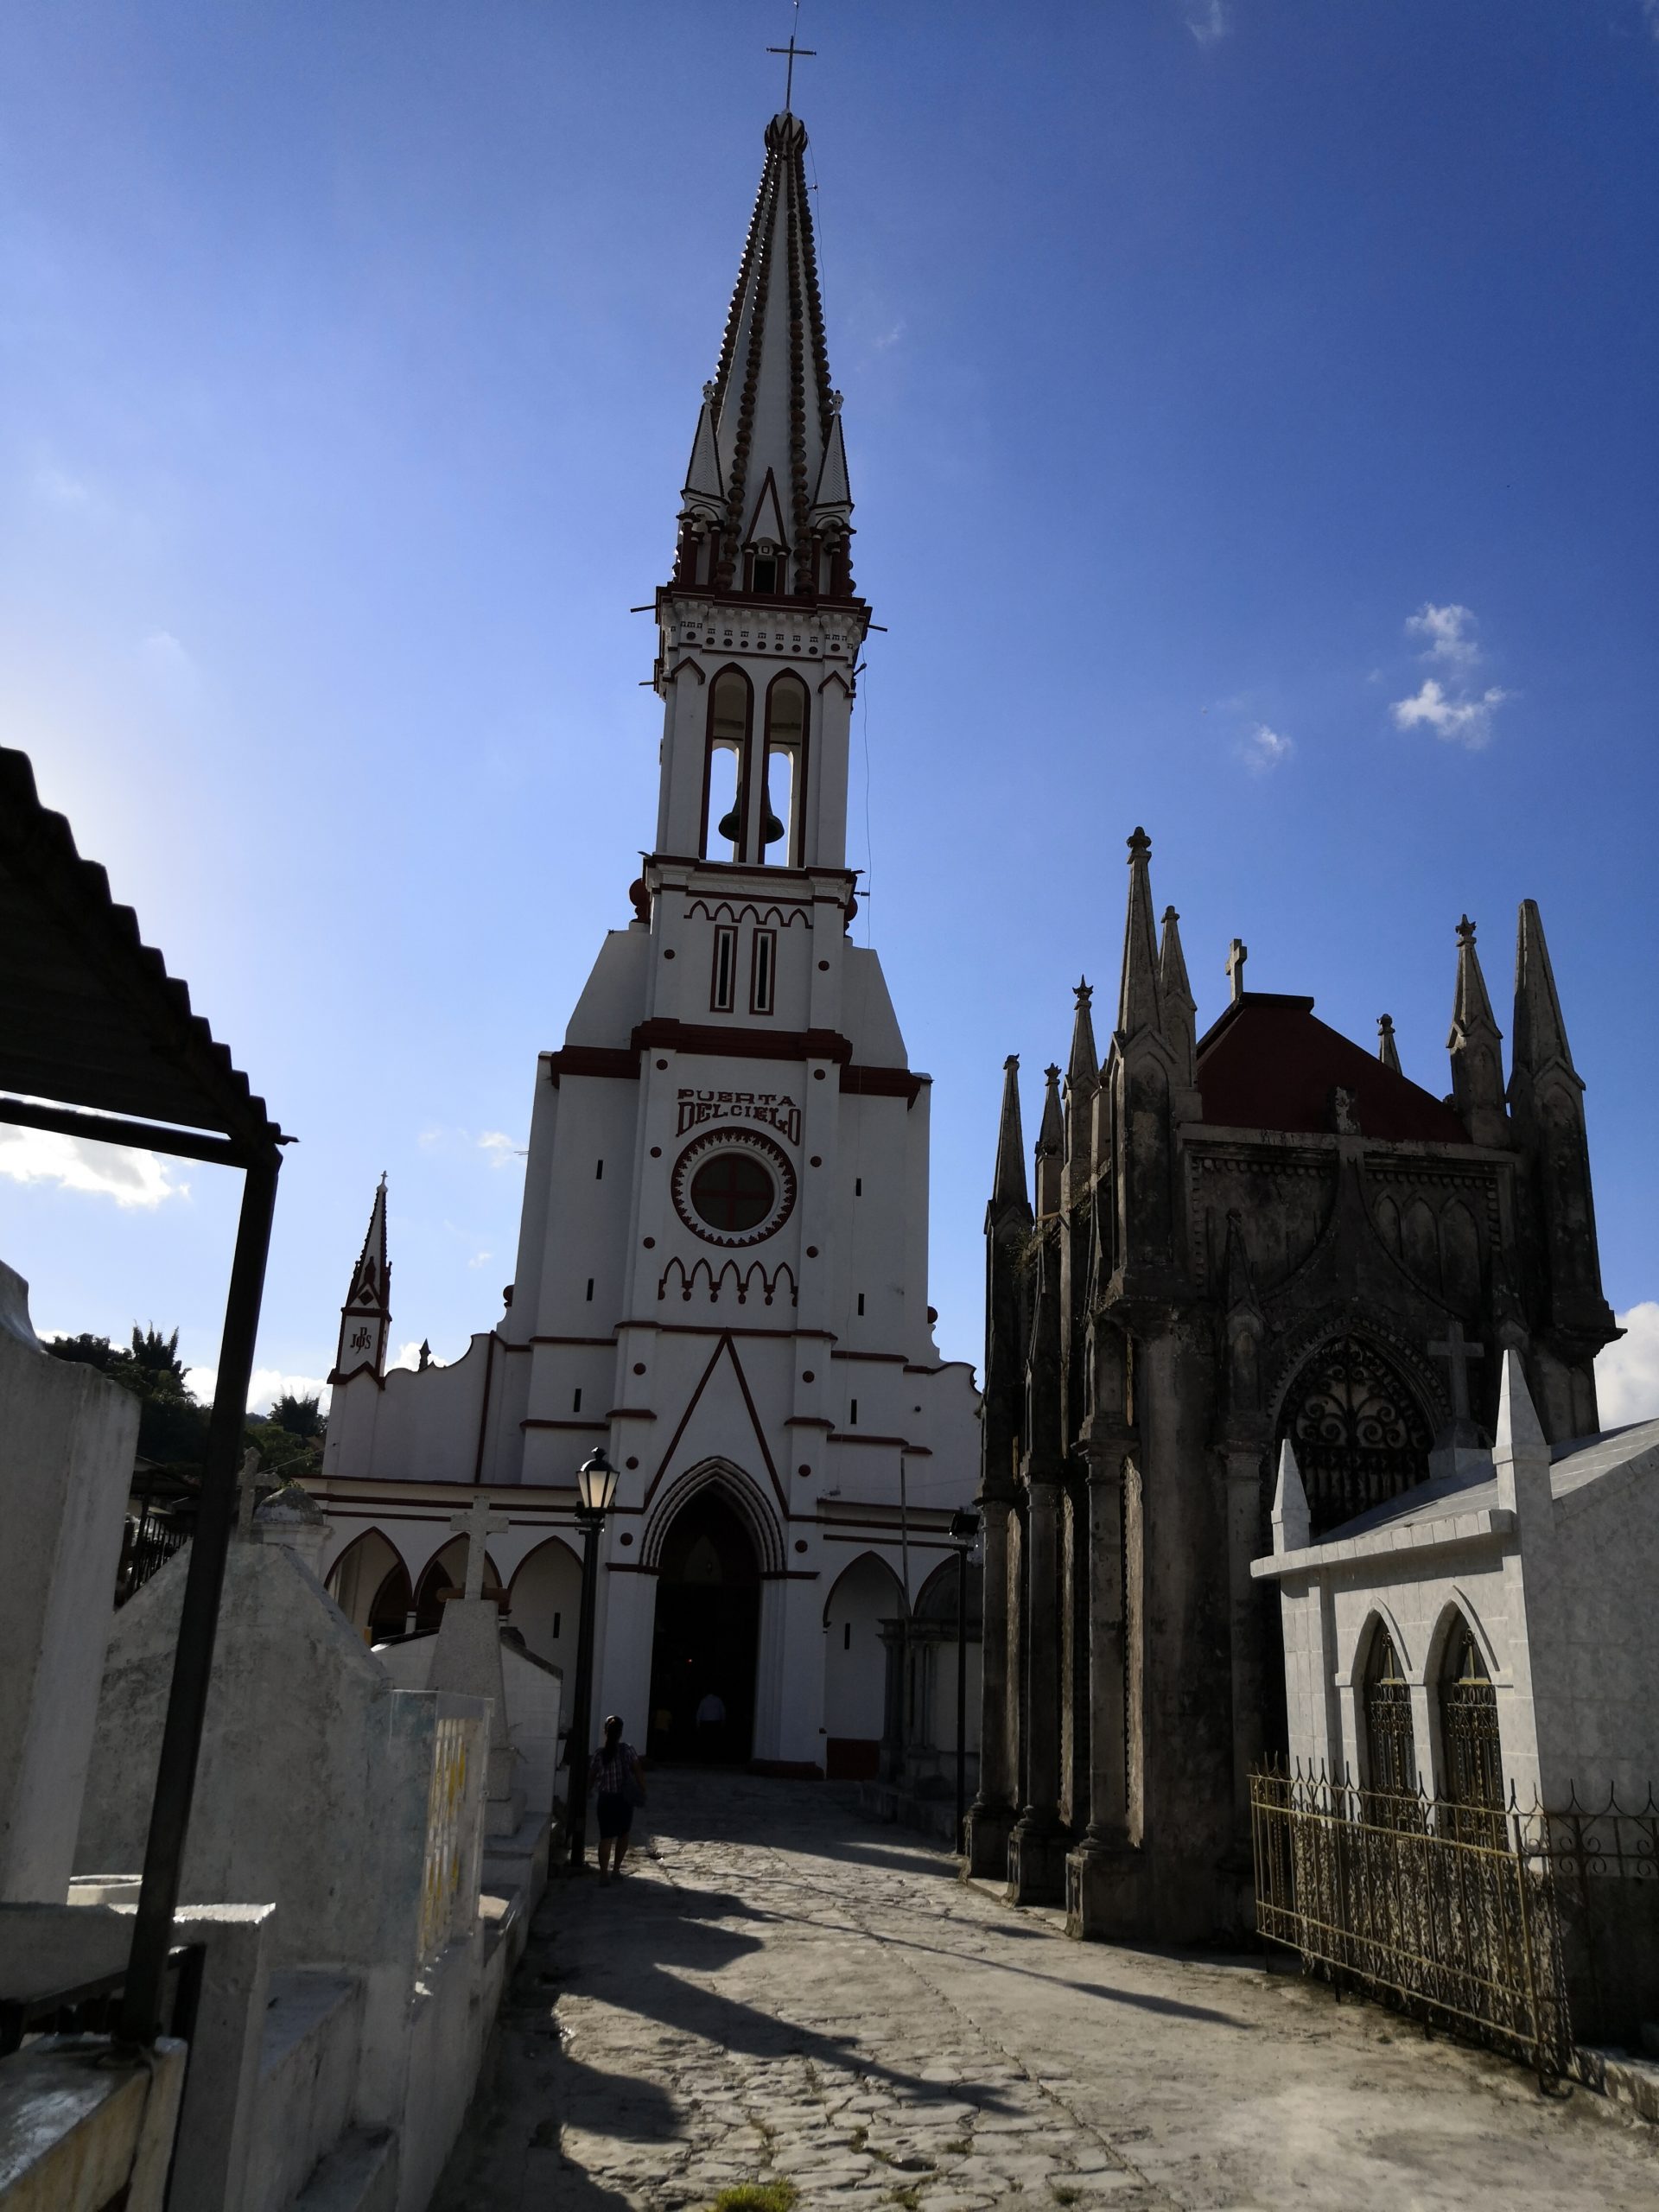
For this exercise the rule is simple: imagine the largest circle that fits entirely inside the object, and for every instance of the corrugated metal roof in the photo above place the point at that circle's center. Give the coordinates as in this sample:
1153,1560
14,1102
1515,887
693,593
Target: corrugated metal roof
89,1016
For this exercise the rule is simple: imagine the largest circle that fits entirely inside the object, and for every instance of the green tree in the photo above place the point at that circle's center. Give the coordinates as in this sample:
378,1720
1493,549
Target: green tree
300,1417
156,1358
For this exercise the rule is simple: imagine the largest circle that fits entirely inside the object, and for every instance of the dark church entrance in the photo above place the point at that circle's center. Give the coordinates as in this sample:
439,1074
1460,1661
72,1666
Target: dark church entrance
703,1659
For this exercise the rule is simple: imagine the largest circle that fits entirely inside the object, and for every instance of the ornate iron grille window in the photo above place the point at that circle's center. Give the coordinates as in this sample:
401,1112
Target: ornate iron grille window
1474,1754
1358,1434
1388,1722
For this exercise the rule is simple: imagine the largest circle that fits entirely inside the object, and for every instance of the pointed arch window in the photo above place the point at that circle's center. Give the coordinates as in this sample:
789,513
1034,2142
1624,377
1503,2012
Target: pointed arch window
784,790
1359,1435
1472,1749
725,768
1390,1754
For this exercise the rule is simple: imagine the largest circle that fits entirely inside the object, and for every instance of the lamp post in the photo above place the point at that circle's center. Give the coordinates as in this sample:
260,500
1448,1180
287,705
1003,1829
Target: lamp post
964,1531
596,1488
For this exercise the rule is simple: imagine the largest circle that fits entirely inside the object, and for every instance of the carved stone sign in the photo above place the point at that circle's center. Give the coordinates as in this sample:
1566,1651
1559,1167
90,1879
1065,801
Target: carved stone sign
769,1107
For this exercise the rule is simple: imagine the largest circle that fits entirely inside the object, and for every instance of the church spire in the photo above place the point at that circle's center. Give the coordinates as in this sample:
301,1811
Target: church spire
767,508
366,1318
1180,1008
1051,1146
1008,1191
1083,1067
1547,1114
1541,1044
1474,1044
1140,1002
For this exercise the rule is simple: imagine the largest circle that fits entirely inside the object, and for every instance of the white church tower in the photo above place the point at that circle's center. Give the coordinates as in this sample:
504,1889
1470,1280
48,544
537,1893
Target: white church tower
722,1263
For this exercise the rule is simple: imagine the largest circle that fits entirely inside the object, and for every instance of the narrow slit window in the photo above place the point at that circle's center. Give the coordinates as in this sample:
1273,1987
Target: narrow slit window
860,1301
852,1421
858,1186
590,1290
557,1618
846,1635
598,1171
576,1403
723,982
763,972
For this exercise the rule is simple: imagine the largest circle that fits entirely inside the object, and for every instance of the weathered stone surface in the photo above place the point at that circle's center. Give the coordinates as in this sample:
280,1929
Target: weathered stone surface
777,1991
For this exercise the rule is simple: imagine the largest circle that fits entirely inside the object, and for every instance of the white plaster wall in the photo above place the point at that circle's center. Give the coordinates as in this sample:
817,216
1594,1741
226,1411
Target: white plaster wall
854,1660
68,1435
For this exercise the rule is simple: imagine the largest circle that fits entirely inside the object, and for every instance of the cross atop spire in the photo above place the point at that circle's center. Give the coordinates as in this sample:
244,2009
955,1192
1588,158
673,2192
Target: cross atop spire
804,53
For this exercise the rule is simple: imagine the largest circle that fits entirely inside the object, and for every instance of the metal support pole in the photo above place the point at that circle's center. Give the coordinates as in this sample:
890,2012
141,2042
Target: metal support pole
962,1697
192,1658
575,1743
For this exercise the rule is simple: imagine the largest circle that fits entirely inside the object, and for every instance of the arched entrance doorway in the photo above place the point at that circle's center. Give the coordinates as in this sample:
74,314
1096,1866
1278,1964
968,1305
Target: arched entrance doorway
708,1633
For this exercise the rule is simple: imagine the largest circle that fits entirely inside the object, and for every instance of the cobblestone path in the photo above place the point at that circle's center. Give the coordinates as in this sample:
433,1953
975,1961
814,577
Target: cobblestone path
780,1989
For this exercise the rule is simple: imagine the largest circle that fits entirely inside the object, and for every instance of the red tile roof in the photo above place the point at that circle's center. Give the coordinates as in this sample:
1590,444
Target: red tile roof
1268,1063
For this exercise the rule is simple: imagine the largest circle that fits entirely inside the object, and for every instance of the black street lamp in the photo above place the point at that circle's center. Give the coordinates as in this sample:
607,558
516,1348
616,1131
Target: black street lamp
965,1532
596,1488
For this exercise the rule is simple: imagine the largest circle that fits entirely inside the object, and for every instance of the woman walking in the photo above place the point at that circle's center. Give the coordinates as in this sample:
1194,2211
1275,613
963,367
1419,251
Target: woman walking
618,1782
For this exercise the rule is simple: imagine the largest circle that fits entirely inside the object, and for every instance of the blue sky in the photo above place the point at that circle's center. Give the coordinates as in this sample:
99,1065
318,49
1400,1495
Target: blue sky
1192,350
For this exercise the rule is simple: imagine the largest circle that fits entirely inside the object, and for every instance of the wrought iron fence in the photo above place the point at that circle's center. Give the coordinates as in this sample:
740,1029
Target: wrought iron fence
1604,1867
148,1541
1447,1910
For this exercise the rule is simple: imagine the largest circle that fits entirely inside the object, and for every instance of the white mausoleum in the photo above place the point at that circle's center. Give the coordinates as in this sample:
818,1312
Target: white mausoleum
722,1262
1491,1631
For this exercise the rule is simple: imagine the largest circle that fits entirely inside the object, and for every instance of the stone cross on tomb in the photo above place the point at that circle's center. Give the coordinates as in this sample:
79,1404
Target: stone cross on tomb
1457,1351
248,1490
1237,954
478,1524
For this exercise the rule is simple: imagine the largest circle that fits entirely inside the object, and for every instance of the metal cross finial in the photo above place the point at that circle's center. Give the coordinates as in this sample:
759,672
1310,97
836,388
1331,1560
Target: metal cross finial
1457,1353
806,53
1237,954
477,1524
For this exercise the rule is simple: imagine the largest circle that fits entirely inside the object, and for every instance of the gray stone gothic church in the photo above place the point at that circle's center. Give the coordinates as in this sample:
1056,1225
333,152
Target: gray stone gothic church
1264,1233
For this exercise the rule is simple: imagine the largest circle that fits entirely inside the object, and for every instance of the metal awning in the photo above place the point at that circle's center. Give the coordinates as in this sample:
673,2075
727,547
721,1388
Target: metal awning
100,1042
89,1016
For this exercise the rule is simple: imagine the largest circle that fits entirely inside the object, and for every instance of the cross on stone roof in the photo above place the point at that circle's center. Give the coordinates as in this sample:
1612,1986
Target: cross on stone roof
1237,954
1458,1353
478,1524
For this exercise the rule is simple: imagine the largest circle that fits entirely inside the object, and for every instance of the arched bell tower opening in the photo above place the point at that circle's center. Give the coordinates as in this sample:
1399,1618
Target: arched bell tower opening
706,1641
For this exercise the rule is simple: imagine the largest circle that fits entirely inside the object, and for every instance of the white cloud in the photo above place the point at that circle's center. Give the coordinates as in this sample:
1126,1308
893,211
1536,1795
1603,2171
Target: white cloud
409,1355
108,1171
1447,629
266,1386
500,1149
1208,20
1457,722
1627,1373
1265,749
479,1258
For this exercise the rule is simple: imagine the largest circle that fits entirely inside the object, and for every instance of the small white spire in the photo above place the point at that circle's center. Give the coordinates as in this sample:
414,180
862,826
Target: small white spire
1291,1522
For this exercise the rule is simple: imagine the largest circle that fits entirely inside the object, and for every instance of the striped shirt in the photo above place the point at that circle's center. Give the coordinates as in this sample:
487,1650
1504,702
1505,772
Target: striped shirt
609,1772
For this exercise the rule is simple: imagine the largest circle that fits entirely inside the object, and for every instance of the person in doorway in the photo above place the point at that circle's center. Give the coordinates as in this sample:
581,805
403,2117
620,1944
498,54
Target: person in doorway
711,1726
617,1779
